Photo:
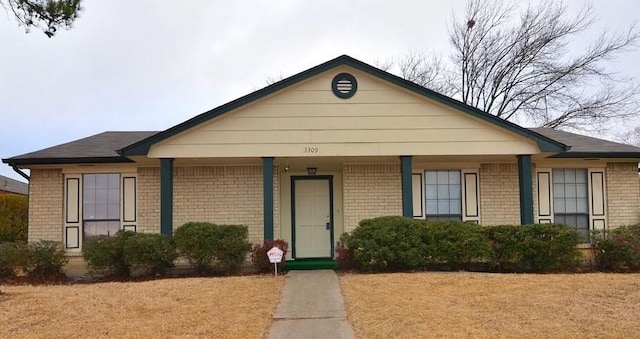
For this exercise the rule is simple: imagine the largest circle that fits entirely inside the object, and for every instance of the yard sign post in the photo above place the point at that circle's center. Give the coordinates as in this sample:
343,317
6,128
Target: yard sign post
275,257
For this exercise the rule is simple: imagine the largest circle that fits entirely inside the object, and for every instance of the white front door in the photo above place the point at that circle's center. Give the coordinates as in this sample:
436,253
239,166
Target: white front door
312,218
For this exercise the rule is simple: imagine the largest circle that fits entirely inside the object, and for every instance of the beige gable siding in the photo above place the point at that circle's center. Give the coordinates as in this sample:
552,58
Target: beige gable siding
46,205
369,191
309,120
499,194
623,192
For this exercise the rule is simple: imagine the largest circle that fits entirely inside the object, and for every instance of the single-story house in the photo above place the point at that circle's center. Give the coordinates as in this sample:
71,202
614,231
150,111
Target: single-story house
306,158
11,186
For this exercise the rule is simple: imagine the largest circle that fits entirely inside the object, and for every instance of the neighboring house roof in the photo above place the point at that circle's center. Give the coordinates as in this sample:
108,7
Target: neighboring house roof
101,148
142,147
583,146
13,186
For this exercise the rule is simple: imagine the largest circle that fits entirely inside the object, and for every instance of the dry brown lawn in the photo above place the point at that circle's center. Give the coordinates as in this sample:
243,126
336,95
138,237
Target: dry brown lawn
412,305
230,307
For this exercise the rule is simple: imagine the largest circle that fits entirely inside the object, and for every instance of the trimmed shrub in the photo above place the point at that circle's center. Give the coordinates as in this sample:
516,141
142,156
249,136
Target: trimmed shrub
148,253
233,247
259,255
455,244
105,254
10,258
617,250
14,217
127,252
506,242
43,260
550,247
386,244
344,254
209,247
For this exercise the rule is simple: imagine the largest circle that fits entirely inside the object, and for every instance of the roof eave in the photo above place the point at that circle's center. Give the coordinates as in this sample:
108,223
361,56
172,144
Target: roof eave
606,155
63,161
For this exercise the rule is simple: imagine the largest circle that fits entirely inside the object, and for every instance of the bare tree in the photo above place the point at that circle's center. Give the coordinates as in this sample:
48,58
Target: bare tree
428,70
47,14
520,65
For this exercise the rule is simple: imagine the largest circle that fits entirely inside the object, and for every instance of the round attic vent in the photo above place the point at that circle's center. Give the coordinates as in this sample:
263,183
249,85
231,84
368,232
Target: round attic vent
344,85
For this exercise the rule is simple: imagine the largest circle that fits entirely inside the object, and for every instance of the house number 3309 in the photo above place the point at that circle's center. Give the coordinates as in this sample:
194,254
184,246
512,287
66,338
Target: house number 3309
310,149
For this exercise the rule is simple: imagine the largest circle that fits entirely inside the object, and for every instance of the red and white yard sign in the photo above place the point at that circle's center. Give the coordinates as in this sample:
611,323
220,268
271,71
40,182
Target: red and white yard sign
275,257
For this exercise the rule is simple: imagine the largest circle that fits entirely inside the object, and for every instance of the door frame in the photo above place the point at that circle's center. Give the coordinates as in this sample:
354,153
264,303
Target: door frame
293,211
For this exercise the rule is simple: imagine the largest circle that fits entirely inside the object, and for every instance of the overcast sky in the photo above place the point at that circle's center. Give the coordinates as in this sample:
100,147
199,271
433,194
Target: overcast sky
148,65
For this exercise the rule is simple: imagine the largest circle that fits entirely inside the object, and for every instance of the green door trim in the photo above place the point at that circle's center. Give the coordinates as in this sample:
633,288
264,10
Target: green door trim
294,178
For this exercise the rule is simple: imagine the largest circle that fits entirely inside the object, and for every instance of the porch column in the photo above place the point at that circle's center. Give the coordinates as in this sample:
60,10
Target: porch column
166,196
407,194
525,182
267,187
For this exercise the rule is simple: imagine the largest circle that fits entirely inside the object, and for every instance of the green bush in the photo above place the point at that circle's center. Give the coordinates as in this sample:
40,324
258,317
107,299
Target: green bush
455,244
209,247
14,217
386,244
127,252
233,247
148,253
506,243
259,255
105,254
617,250
550,247
44,260
10,258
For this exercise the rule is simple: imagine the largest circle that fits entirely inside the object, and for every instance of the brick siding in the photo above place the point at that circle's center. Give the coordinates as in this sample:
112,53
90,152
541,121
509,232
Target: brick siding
499,194
623,192
370,190
46,205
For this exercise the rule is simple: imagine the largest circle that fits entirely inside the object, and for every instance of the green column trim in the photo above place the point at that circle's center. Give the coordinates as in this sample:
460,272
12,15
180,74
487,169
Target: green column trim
267,186
407,194
525,182
166,196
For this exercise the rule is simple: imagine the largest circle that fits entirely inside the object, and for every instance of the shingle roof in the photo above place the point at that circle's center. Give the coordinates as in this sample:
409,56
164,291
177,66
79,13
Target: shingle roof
583,146
101,147
13,186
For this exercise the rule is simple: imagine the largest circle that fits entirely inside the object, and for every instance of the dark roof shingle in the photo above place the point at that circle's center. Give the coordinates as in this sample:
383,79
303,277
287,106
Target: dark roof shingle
584,146
13,186
99,147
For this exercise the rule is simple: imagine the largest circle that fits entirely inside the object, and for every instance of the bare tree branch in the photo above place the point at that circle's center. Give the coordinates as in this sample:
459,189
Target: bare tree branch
521,65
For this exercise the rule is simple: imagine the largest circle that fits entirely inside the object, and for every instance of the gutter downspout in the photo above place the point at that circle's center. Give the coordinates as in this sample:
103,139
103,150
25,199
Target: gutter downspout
19,171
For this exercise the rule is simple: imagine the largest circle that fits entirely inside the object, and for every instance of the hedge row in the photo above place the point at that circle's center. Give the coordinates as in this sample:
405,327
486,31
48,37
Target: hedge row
617,250
42,260
396,243
208,247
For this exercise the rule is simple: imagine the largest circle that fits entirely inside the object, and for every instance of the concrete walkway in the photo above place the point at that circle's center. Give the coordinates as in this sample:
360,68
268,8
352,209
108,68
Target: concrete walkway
311,306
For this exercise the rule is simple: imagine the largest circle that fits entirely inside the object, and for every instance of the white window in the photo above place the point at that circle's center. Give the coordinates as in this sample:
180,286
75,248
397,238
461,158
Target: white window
101,204
443,195
570,199
98,204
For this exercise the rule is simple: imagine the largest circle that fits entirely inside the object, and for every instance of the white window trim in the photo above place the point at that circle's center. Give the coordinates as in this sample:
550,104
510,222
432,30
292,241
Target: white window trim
73,227
596,194
466,196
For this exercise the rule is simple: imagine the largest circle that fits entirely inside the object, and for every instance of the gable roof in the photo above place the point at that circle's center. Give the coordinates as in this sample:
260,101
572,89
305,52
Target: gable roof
13,186
142,147
99,148
583,146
